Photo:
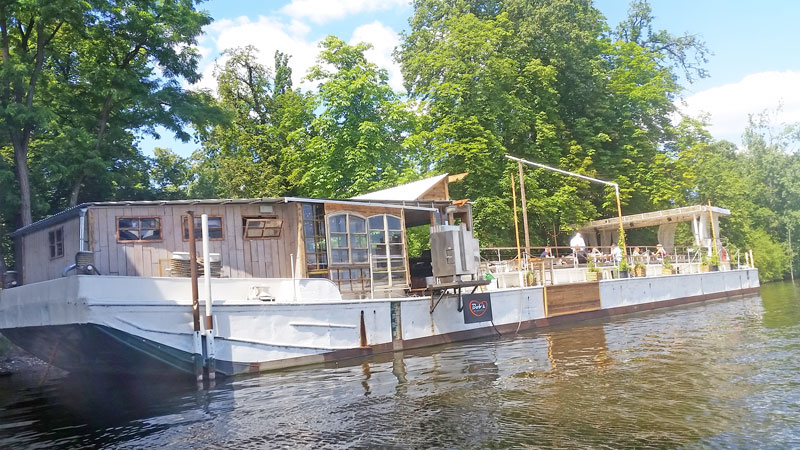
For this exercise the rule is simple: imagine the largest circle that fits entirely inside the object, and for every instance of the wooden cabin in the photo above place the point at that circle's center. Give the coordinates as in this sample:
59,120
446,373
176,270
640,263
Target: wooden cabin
360,244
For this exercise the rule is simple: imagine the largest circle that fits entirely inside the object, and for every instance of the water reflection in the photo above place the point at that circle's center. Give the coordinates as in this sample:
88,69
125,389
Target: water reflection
722,374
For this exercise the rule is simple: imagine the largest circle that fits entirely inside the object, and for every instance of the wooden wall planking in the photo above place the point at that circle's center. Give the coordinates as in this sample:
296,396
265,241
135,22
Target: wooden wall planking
37,264
240,257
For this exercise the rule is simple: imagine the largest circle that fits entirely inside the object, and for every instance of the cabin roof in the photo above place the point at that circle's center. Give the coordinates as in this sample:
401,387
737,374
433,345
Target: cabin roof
75,211
649,219
406,192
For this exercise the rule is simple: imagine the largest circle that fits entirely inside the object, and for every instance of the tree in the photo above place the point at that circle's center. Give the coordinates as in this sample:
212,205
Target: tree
358,138
82,76
254,153
27,31
170,174
546,81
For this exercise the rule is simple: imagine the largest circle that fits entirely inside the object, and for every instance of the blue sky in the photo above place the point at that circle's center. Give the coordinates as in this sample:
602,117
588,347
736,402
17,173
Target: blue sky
755,44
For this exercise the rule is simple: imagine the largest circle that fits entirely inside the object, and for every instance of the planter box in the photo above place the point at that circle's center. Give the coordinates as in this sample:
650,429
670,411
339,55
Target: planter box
640,272
592,276
665,271
624,274
705,268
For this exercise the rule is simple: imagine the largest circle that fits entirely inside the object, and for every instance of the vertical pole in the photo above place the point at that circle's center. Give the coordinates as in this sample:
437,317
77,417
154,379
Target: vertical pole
752,260
713,231
294,281
198,346
210,352
791,253
516,222
619,213
524,206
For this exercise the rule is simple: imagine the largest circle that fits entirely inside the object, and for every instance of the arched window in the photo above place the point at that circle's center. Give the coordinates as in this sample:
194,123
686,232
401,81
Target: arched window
347,234
348,260
387,244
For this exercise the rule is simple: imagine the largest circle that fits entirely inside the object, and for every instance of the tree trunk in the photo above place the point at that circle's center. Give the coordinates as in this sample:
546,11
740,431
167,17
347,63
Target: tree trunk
21,163
76,189
3,267
102,125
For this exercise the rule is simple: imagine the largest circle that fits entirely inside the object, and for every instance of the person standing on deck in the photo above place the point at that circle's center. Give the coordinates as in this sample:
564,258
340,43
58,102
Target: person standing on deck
578,247
616,253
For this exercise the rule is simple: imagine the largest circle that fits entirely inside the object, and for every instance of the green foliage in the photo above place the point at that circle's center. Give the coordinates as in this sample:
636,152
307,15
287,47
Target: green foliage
418,240
666,262
550,81
591,267
357,142
771,257
256,152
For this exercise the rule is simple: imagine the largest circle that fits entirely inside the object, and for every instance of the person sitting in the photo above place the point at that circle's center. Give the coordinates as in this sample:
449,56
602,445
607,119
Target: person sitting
636,251
546,253
660,252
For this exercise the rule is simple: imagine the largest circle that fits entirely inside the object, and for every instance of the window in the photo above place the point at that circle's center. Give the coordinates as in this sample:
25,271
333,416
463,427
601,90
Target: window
138,229
387,245
351,280
214,228
260,228
348,239
314,239
56,240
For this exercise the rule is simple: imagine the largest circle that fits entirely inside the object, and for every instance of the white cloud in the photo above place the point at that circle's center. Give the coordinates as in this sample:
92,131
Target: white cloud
267,35
384,40
322,11
730,104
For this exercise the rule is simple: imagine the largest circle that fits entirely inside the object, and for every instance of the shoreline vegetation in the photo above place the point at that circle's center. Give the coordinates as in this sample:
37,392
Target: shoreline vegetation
482,79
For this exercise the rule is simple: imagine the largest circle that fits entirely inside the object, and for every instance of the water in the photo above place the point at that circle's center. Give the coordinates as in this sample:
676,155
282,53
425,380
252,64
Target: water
720,374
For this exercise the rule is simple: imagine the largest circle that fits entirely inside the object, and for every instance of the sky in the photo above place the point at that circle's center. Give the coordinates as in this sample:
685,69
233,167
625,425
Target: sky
754,65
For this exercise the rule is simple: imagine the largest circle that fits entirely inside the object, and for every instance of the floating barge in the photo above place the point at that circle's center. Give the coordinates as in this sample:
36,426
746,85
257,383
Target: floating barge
296,281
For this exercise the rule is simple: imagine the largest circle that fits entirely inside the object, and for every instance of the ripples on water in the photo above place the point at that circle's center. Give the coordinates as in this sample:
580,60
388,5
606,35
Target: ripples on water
720,374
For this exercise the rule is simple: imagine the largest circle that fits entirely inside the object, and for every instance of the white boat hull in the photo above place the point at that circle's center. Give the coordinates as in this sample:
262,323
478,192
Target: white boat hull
143,326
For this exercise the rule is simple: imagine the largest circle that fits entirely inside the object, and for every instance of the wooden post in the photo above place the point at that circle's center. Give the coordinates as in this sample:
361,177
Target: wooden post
524,206
516,222
198,346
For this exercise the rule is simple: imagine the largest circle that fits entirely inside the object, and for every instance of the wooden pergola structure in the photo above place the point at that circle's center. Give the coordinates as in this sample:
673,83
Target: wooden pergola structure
603,232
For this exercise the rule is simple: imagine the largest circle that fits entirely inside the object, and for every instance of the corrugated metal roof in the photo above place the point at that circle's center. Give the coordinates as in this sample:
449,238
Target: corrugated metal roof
67,214
405,192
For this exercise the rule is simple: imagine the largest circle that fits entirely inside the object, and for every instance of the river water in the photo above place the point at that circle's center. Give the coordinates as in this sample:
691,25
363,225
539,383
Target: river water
718,374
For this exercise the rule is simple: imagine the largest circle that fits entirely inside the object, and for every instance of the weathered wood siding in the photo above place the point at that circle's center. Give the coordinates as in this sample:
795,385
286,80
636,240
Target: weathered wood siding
36,262
241,258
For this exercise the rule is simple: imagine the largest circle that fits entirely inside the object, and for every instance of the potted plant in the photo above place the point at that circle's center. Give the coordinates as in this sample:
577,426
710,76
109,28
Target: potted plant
624,268
639,269
704,263
592,271
666,266
714,263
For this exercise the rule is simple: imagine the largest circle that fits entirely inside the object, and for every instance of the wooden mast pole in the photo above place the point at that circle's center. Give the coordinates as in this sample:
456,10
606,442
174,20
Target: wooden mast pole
713,231
524,206
516,221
